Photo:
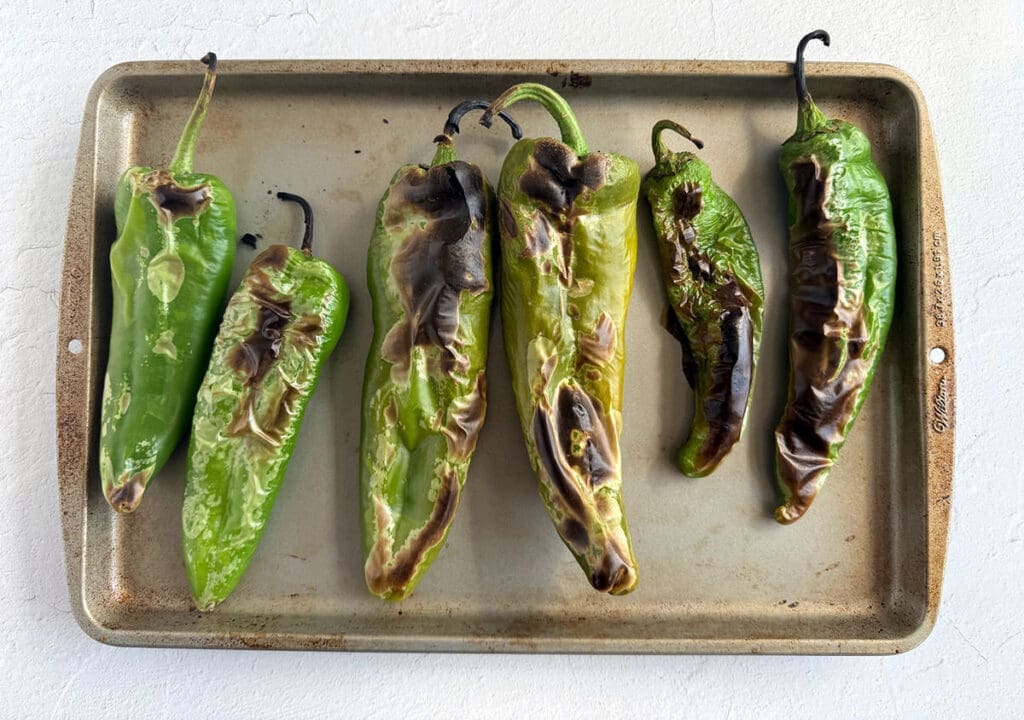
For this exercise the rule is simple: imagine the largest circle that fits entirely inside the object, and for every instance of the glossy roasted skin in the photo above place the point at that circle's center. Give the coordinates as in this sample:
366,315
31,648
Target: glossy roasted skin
429,272
278,330
712,276
568,252
170,268
842,290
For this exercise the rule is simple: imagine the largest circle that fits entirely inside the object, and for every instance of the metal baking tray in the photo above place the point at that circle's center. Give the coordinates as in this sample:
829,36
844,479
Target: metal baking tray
861,573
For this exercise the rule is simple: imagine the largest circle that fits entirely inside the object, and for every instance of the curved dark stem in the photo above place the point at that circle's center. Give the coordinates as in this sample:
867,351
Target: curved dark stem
451,127
307,213
801,80
210,61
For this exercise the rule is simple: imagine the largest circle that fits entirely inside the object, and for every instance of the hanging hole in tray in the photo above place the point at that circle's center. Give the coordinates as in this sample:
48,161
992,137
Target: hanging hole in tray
937,355
75,347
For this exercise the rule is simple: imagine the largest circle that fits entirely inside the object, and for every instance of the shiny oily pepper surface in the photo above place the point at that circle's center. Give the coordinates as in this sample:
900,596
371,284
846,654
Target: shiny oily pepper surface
170,268
278,331
568,253
712,275
429,271
842,265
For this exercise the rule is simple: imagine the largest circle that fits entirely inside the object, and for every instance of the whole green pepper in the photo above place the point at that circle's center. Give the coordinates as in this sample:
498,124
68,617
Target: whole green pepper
712,274
842,286
568,251
278,330
170,267
424,392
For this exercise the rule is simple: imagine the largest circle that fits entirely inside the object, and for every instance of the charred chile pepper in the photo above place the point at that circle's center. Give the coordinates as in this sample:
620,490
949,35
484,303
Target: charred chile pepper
170,267
278,330
424,394
713,277
842,287
568,252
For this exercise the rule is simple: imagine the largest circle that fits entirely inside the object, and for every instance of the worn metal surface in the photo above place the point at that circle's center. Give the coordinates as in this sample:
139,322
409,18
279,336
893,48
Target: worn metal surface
861,573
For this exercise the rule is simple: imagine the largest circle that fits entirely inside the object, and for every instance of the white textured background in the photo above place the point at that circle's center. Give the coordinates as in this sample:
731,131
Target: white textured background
967,59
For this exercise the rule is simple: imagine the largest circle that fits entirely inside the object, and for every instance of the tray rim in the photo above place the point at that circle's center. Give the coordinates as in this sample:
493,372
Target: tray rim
74,424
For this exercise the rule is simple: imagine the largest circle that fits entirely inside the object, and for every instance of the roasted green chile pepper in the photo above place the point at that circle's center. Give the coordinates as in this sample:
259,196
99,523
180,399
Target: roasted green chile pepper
170,268
568,252
278,330
842,265
424,392
712,274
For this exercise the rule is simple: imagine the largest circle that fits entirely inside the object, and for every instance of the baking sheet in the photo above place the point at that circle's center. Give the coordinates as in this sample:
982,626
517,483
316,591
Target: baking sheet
861,573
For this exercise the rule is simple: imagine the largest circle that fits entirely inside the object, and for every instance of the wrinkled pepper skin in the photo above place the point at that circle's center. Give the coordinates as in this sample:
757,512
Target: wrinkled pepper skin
170,267
842,289
712,274
278,330
429,271
568,253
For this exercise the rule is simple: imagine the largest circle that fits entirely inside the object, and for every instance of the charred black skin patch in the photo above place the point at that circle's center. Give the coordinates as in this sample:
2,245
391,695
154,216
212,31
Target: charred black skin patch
554,179
724,401
825,387
573,435
175,202
556,176
439,261
254,355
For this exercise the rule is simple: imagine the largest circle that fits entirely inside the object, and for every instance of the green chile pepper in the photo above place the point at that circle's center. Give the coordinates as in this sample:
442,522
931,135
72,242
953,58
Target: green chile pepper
278,330
424,392
842,289
712,274
568,252
170,268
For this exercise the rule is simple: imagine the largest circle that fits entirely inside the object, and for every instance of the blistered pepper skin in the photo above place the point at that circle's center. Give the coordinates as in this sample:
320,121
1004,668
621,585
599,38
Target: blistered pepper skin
429,271
567,220
712,276
278,331
842,264
170,267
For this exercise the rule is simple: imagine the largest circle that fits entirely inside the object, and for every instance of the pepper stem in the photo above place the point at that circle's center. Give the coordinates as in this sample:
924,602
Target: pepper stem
446,140
808,115
660,150
307,217
552,102
186,150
